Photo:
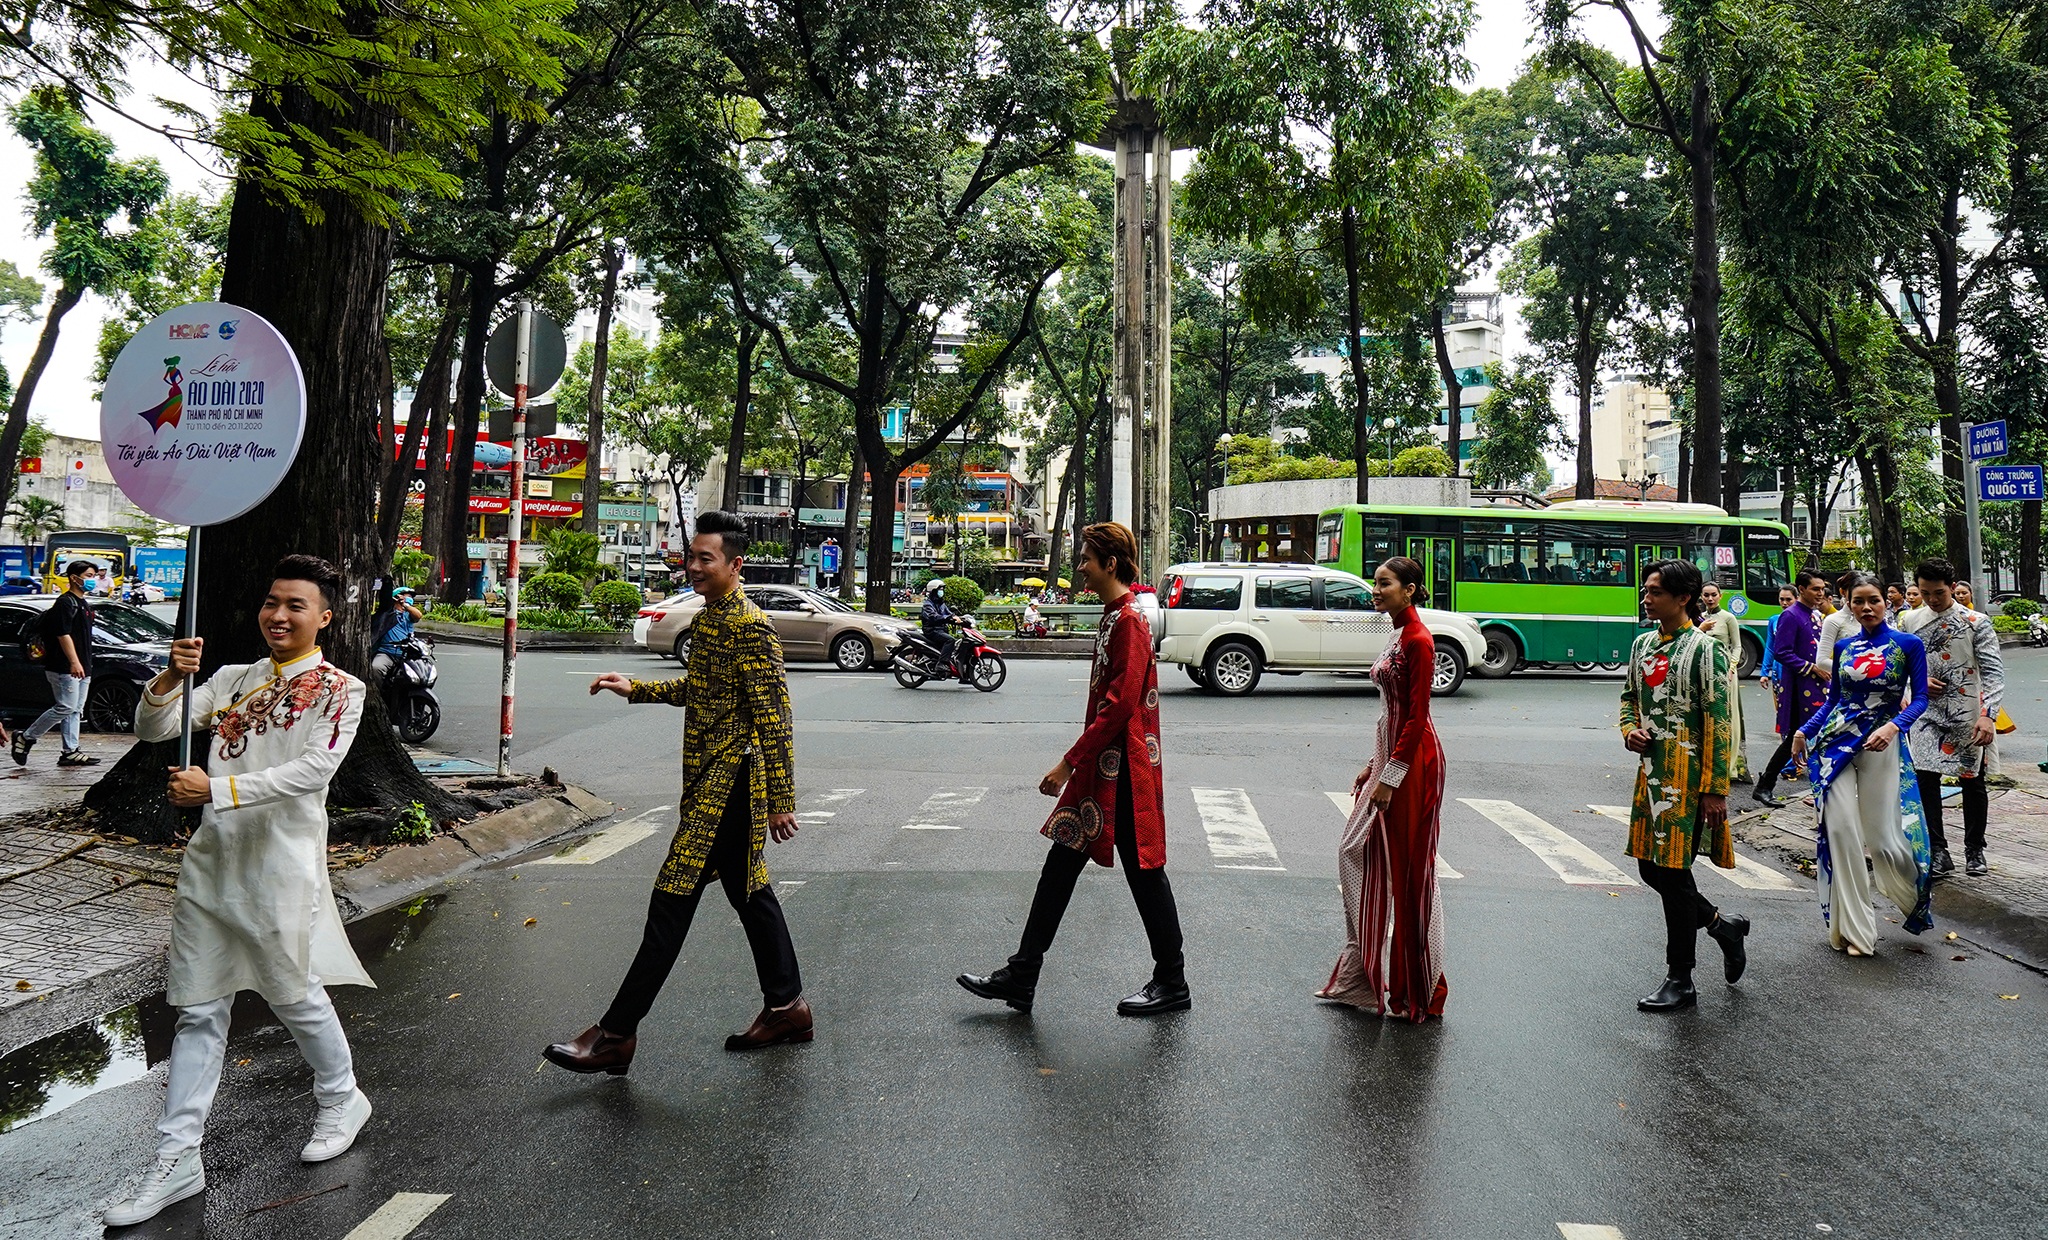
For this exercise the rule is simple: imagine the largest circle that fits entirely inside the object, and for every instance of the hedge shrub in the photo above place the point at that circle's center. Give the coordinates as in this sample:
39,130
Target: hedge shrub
963,595
616,602
2021,608
555,591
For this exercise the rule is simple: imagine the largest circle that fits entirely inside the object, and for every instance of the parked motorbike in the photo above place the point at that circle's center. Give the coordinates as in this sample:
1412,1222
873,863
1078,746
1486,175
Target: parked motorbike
1031,624
917,661
2037,630
408,690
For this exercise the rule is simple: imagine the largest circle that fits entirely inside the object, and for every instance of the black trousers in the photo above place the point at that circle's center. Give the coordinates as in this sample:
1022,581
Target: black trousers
1976,810
1686,913
1776,766
669,916
1149,888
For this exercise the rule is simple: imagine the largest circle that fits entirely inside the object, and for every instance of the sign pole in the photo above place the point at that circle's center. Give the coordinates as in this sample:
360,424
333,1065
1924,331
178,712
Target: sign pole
505,692
1971,516
188,628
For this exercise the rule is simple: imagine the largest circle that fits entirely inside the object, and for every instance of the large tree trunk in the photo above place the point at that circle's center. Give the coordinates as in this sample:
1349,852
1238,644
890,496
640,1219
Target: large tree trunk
1946,239
430,394
434,500
882,534
600,356
1704,295
1785,485
323,286
1684,464
1880,474
1585,371
1105,460
742,401
1454,391
1354,327
31,375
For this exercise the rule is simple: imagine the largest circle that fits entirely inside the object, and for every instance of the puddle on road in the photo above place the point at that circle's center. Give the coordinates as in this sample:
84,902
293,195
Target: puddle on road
44,1077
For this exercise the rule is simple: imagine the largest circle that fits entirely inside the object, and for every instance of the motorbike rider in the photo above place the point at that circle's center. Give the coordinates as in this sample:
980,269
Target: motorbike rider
938,620
393,626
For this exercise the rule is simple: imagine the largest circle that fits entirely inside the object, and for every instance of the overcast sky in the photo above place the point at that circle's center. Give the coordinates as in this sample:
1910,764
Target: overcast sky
64,399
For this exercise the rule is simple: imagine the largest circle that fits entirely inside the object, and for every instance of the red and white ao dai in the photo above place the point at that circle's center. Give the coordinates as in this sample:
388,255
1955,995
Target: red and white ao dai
1394,949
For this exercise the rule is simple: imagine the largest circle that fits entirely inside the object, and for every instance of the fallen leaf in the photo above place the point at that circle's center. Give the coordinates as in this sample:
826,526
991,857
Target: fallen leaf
1048,1072
456,995
533,921
1958,957
1918,951
2008,996
24,984
565,904
1615,894
243,1063
1622,1103
1950,936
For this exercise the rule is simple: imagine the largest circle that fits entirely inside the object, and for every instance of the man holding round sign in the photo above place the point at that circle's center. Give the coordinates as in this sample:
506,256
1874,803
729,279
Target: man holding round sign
202,417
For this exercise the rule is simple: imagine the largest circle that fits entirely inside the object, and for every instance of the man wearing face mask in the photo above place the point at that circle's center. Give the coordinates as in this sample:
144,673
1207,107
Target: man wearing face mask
66,637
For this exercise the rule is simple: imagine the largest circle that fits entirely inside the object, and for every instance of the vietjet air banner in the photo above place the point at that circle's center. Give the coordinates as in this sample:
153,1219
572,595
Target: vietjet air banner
203,413
546,457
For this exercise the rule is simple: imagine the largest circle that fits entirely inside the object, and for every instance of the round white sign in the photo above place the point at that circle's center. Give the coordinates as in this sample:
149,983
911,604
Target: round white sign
203,413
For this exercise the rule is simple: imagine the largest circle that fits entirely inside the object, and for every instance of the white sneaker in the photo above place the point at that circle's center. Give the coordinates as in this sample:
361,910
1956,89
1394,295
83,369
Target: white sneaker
335,1128
170,1181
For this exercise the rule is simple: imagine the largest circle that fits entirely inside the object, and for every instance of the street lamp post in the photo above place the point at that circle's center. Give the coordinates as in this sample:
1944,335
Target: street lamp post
646,481
1645,476
1388,425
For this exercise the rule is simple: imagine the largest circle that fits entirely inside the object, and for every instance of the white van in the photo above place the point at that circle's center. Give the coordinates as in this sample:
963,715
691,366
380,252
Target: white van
1229,623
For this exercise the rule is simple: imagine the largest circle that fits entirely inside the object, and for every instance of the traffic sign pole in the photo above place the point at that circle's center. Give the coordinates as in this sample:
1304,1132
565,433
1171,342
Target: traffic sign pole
1971,517
523,356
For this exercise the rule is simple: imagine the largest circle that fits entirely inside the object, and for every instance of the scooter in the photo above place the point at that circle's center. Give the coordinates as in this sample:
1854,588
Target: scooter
981,664
408,690
2037,630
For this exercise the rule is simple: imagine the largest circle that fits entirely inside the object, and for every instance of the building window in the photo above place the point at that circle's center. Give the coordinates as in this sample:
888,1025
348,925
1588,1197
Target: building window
764,491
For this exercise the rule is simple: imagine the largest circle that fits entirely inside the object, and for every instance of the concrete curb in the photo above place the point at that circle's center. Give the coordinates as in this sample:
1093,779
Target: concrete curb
392,879
2018,934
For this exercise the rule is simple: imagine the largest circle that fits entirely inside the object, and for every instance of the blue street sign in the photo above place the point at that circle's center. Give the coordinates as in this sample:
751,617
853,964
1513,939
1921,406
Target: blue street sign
1987,439
828,558
2008,482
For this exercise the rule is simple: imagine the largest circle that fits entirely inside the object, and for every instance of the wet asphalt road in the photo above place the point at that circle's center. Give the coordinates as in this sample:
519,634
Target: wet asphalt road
1887,1098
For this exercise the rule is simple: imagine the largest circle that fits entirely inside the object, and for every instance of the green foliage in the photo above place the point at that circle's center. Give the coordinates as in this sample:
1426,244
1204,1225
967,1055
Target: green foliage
571,553
35,516
767,551
963,595
79,189
1255,458
412,825
616,602
1516,426
410,566
1425,461
2020,608
2008,626
558,620
20,294
553,591
466,613
188,234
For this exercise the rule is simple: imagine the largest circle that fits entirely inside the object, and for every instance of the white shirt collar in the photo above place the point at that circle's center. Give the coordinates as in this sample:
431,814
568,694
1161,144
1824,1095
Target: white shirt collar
304,662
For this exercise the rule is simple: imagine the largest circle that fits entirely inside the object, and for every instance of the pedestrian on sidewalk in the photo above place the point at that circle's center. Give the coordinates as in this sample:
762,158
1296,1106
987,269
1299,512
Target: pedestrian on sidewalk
1393,957
65,634
1723,627
1965,684
739,787
1111,791
1674,712
1803,682
254,910
1866,797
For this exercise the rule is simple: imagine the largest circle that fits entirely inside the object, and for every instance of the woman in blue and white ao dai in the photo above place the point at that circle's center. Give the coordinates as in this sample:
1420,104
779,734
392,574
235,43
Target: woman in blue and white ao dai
1866,797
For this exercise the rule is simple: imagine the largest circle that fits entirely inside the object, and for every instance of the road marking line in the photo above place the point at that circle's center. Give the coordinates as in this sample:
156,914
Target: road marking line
1343,802
1572,861
1589,1231
830,796
396,1218
787,887
1235,833
944,804
1754,875
605,843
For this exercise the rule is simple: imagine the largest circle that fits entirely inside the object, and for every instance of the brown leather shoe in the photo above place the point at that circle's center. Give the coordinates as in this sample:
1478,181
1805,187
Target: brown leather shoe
596,1049
774,1026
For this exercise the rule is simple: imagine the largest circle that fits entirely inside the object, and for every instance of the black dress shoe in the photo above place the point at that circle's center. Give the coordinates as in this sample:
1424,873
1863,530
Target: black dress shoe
596,1049
1974,864
1157,998
1001,985
1675,995
1768,798
1729,929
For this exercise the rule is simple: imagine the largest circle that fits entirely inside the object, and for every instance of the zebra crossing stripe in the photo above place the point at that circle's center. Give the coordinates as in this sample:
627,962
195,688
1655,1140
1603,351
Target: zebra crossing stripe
593,849
396,1218
1574,862
1589,1231
1343,802
944,804
825,804
1754,875
1237,839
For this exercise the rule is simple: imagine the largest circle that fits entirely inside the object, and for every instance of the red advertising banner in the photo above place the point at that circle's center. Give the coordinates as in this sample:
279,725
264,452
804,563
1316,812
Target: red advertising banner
548,457
499,505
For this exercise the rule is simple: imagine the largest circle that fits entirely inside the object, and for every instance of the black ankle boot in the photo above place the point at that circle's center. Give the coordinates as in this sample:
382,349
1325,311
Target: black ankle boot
1676,994
1729,930
1004,985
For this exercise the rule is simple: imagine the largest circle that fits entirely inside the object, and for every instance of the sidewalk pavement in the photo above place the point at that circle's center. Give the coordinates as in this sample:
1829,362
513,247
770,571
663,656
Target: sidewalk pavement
85,913
2007,908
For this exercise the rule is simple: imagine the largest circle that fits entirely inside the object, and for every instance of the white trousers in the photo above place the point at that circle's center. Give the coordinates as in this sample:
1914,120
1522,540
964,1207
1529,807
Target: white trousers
1863,812
201,1045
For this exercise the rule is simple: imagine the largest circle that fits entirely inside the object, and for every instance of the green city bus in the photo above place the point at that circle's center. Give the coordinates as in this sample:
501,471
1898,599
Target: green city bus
1559,584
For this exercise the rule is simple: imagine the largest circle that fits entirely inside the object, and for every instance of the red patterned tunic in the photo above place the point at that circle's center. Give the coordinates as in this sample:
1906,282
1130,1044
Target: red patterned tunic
1121,741
1393,955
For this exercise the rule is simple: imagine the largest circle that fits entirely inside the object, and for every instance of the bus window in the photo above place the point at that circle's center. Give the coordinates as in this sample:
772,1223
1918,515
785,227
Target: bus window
1376,541
1765,565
